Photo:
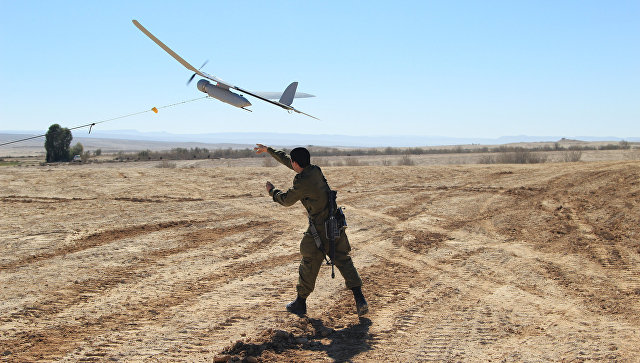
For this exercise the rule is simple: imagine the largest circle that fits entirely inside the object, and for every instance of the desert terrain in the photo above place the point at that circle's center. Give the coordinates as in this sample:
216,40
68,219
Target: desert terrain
133,262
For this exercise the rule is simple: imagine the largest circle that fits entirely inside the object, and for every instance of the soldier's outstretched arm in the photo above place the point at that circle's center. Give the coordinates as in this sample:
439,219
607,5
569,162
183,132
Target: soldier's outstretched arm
279,155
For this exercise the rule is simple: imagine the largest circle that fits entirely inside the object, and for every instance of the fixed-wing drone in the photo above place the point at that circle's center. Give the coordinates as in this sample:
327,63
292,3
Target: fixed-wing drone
221,89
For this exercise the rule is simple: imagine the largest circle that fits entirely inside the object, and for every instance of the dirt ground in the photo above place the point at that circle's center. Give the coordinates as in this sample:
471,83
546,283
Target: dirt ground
131,262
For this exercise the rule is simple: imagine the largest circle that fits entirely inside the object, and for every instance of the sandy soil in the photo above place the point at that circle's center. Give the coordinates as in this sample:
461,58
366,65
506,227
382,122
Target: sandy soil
132,262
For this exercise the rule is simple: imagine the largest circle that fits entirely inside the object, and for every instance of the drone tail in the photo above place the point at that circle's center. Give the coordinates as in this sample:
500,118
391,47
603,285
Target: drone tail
288,94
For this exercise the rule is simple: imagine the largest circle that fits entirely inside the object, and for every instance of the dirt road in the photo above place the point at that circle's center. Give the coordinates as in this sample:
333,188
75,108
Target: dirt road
130,262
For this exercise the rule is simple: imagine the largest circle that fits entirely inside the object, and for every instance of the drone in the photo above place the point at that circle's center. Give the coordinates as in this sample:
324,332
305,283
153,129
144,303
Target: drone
221,90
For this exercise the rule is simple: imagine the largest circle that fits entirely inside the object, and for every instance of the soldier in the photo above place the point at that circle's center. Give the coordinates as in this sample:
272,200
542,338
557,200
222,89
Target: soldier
311,189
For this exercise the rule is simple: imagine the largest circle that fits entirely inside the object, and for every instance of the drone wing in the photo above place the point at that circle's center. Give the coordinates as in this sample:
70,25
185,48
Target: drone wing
186,64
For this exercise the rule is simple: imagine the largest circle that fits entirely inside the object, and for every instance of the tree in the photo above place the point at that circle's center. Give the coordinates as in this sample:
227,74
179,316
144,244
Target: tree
57,141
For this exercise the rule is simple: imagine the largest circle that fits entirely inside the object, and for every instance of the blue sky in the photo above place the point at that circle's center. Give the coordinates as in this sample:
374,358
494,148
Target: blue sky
434,68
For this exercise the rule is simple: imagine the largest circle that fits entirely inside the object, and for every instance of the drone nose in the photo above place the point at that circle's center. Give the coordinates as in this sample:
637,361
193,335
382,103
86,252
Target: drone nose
202,85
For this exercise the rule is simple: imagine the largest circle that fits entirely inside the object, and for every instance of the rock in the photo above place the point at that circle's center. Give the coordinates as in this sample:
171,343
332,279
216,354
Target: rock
326,332
221,358
251,359
302,340
281,334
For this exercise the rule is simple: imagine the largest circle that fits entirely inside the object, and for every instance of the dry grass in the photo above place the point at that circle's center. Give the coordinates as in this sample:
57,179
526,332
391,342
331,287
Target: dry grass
514,157
406,160
269,162
166,164
572,156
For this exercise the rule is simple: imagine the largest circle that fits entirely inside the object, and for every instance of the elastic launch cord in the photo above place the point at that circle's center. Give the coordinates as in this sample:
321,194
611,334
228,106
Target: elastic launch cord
90,125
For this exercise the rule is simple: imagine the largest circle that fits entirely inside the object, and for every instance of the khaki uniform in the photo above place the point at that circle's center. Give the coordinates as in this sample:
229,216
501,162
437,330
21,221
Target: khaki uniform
311,189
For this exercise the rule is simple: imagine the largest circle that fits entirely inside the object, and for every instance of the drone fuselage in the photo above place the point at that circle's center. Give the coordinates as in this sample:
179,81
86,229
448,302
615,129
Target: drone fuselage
222,94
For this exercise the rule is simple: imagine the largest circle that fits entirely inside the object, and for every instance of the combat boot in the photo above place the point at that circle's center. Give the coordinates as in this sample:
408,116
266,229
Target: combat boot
361,304
298,306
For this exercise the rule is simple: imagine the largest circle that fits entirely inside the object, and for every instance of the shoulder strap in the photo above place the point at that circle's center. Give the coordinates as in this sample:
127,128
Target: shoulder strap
316,238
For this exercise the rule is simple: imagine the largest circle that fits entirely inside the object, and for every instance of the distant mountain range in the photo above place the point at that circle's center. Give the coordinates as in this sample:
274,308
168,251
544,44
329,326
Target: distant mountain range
244,139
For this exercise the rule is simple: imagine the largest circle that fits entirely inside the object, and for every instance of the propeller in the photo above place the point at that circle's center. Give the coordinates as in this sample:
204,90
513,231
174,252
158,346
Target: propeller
193,76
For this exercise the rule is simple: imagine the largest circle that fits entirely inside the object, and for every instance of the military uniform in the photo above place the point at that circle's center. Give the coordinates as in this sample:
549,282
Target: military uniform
311,189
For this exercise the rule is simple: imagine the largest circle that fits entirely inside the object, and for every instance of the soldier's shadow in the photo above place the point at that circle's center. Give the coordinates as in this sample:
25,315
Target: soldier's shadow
344,343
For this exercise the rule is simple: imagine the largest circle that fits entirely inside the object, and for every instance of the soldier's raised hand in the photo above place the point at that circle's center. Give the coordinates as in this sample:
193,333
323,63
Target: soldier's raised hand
259,149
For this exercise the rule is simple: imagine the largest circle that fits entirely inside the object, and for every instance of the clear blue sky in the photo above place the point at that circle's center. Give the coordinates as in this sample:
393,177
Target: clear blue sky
445,68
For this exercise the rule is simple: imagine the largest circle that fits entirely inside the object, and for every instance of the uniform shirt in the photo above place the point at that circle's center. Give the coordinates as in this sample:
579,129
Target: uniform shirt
309,187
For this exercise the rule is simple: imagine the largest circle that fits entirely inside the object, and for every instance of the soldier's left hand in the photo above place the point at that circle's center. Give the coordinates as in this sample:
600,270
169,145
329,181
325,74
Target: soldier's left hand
269,187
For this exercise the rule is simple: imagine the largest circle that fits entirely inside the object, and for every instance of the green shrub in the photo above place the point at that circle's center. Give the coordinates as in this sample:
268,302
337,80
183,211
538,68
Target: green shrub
77,149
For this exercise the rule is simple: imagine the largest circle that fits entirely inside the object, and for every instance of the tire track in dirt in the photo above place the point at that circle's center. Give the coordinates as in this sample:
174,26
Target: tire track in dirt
565,220
189,339
553,302
601,296
413,315
98,239
70,295
456,287
52,343
157,199
39,199
198,340
461,259
239,319
412,209
443,319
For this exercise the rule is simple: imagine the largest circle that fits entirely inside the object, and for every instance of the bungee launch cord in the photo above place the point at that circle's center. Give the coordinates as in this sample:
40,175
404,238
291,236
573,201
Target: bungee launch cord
90,125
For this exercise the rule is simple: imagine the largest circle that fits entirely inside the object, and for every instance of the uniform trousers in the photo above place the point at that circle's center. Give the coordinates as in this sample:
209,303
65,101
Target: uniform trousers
313,258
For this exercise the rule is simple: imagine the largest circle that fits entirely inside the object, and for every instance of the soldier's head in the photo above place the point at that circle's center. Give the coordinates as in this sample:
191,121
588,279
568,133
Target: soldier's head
301,156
